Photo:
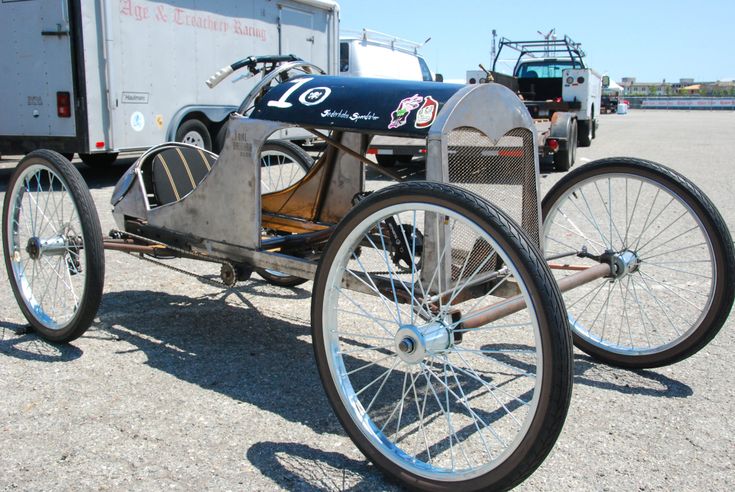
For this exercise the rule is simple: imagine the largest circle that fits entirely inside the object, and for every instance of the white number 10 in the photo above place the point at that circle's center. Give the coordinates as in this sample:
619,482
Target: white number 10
320,94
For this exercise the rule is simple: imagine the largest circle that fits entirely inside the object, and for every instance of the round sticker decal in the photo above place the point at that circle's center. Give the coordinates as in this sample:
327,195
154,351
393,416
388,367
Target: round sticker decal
137,121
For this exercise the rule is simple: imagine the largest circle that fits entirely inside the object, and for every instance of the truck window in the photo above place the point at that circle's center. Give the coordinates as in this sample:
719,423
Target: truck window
545,69
425,72
344,57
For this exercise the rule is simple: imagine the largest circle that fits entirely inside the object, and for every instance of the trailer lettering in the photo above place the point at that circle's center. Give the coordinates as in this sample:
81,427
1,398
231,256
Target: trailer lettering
248,31
186,18
138,12
161,14
183,18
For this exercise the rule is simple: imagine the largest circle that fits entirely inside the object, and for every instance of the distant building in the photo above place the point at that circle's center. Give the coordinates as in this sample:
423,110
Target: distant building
685,86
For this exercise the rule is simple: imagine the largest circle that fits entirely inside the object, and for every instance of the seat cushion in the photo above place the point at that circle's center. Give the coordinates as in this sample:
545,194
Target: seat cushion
176,171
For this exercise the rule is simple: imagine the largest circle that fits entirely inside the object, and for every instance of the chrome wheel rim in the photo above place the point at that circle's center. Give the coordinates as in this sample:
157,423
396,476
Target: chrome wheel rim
670,292
454,410
45,243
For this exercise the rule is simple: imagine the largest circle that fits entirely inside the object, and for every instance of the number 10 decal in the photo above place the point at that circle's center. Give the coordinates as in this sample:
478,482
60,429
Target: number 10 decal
311,97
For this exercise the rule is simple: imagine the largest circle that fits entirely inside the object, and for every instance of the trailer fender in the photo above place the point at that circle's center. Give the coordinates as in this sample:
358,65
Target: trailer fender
215,114
561,125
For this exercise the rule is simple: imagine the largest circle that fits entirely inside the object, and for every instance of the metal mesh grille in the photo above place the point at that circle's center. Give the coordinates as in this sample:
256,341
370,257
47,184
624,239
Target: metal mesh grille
502,172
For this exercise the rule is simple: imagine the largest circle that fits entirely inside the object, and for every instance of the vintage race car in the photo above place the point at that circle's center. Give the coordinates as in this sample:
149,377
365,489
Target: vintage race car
443,309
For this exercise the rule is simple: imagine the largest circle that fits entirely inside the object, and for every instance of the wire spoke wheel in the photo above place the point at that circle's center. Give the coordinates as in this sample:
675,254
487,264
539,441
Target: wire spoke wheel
422,388
53,246
282,164
677,285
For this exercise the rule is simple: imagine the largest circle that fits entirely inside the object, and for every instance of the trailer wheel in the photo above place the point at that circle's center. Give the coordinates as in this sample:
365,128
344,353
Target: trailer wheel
52,243
675,282
99,160
194,132
431,402
585,133
564,159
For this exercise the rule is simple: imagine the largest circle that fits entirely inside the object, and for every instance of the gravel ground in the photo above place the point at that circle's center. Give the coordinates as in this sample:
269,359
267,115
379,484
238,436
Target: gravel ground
180,385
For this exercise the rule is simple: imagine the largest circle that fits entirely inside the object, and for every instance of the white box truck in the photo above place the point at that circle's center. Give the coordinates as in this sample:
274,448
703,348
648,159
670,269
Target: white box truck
375,54
102,77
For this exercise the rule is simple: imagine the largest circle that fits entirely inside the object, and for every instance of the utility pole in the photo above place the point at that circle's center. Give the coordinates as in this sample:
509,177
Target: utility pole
492,53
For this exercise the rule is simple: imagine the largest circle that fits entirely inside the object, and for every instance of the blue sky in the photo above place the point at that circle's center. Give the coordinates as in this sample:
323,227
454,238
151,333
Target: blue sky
651,40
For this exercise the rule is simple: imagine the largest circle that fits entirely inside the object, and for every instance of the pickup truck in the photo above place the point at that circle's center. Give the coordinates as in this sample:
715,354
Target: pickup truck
560,92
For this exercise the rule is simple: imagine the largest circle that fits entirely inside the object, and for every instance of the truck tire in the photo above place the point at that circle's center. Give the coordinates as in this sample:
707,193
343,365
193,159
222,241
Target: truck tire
585,133
194,132
99,160
564,159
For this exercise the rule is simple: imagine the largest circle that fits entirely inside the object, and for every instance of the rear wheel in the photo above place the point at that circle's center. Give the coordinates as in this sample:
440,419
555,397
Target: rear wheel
433,402
52,243
282,164
676,278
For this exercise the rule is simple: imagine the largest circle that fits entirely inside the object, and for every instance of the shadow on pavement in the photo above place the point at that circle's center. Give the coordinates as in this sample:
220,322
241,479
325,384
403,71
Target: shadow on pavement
645,382
232,349
300,467
26,345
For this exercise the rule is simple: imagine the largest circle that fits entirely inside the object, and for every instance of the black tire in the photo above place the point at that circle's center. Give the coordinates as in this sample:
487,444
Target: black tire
585,133
682,286
194,132
219,138
74,228
564,159
353,244
389,160
284,152
99,160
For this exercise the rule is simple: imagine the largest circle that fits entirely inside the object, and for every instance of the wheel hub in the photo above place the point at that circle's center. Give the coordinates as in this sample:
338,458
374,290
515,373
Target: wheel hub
33,248
624,263
37,247
413,343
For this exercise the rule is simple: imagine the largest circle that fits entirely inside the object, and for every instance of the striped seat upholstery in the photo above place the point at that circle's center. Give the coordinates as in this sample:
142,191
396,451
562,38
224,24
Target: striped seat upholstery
177,171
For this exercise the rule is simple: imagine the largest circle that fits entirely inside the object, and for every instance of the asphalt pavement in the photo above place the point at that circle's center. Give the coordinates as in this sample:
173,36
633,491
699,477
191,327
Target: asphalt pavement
182,385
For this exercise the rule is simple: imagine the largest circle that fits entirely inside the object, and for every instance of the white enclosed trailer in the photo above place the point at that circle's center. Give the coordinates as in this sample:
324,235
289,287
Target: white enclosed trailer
101,77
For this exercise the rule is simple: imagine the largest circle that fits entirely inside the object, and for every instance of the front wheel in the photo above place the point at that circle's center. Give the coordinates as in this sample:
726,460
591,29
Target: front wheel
52,243
675,266
430,394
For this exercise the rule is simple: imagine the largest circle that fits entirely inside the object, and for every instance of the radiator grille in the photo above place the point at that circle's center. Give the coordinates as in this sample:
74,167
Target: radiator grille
503,172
